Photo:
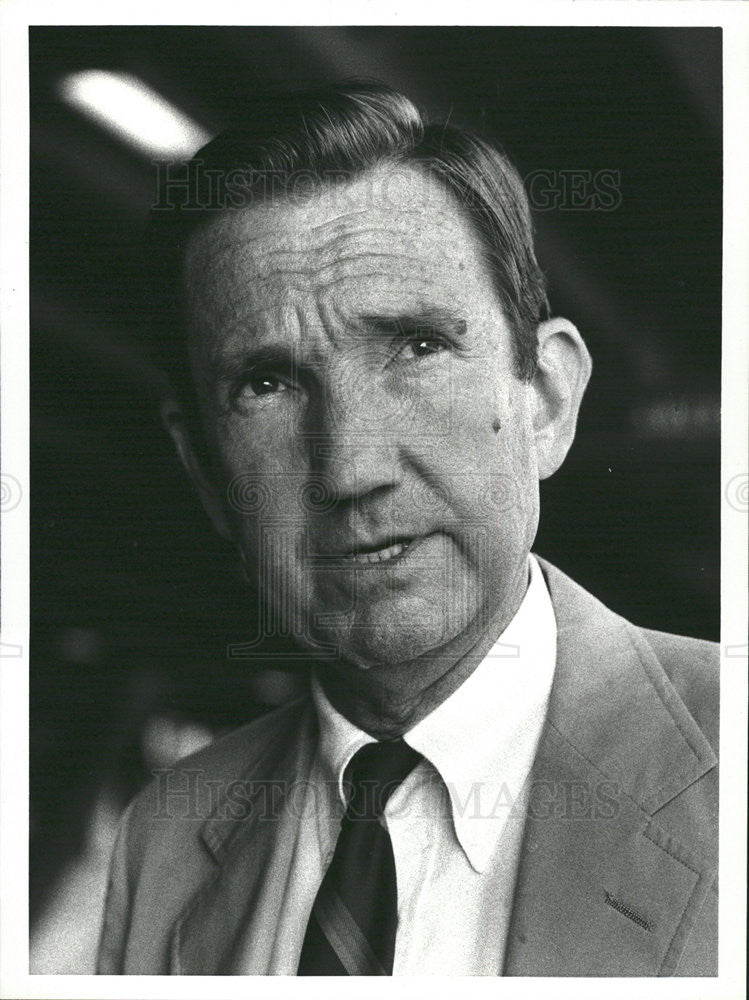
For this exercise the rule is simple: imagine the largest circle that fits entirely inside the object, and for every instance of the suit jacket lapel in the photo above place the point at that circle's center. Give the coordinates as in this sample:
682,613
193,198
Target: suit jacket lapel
603,888
242,835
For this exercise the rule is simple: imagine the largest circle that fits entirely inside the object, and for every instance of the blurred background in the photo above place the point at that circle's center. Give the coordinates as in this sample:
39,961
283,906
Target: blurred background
617,133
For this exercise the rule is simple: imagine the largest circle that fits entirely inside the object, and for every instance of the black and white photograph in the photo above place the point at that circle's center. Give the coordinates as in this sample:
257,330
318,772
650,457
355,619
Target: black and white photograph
384,505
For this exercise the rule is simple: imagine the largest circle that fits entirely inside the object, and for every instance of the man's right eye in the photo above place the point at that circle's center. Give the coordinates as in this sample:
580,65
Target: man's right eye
249,386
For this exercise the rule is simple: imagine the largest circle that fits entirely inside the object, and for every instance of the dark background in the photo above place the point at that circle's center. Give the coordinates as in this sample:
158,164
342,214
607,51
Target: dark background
133,600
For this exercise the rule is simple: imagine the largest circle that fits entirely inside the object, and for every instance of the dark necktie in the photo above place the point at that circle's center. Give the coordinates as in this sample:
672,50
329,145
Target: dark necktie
351,931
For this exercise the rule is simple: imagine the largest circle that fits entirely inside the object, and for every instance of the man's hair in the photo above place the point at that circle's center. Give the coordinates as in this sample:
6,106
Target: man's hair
295,144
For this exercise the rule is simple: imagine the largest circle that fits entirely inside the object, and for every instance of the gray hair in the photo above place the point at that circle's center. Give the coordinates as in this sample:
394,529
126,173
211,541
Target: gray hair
322,137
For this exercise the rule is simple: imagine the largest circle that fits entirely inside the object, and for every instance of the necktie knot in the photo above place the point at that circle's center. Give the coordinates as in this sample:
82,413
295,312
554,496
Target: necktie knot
374,773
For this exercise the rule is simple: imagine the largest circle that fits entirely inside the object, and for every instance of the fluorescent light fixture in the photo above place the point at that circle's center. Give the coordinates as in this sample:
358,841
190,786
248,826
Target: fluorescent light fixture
133,112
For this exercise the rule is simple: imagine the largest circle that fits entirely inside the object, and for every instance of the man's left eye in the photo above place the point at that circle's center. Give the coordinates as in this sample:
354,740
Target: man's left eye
423,347
264,385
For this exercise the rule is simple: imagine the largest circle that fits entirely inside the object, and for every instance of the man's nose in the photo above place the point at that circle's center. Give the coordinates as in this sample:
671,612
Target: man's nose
355,446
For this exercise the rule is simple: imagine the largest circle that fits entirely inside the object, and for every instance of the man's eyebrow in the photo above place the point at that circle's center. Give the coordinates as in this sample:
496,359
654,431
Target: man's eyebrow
229,367
414,320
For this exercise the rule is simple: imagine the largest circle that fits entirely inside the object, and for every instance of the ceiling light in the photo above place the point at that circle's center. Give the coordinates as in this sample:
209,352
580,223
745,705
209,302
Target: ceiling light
133,112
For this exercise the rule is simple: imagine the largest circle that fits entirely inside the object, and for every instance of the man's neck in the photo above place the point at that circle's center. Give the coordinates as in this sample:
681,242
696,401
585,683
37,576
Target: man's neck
386,703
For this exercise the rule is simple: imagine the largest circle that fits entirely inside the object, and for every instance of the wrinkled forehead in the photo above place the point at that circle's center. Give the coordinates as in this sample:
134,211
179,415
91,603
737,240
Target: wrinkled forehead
393,233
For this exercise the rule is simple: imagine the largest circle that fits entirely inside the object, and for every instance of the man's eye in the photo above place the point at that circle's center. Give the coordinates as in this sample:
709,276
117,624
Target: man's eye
423,347
248,389
264,385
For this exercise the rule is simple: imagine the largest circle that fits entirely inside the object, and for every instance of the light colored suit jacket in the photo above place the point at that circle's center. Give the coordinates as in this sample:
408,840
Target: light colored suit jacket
618,871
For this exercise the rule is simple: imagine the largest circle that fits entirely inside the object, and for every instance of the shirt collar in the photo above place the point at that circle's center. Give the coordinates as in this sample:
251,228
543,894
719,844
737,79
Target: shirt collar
339,738
483,738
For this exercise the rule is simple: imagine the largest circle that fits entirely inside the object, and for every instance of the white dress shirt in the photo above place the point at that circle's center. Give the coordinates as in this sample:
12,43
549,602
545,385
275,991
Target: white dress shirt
456,836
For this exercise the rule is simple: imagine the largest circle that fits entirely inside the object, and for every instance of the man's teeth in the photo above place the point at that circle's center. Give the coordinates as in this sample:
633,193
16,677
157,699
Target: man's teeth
380,555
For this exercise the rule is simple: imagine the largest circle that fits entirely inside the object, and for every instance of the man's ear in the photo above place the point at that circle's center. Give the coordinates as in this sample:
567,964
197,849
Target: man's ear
564,367
177,426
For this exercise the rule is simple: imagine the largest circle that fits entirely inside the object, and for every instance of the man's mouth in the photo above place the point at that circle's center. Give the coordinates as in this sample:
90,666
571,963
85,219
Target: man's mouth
381,555
373,551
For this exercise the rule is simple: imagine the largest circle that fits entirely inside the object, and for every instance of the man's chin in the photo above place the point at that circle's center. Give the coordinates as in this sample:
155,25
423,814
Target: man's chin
388,643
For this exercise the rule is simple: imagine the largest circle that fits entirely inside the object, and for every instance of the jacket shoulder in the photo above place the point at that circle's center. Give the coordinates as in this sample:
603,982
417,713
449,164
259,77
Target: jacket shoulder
693,667
231,754
194,779
159,859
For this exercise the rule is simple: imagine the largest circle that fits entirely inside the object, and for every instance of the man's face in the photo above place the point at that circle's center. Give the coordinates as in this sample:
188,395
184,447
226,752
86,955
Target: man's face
354,364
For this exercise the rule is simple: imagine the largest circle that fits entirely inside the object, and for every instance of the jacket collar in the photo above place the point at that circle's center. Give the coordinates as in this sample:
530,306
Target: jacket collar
240,835
605,888
285,740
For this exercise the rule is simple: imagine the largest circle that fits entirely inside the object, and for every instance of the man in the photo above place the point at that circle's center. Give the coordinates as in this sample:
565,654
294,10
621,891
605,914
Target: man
492,773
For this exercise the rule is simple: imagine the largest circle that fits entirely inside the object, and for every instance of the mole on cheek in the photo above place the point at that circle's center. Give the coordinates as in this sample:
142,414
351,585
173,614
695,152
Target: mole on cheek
496,425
